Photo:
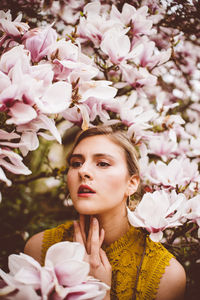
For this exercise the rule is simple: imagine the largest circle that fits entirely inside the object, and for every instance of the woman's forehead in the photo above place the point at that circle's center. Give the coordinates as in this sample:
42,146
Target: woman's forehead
99,144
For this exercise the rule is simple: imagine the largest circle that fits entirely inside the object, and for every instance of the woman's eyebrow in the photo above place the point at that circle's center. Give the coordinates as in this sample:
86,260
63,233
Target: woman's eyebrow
77,155
103,155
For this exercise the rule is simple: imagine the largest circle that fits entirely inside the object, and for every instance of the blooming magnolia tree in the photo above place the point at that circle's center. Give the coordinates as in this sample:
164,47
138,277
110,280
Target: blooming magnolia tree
110,62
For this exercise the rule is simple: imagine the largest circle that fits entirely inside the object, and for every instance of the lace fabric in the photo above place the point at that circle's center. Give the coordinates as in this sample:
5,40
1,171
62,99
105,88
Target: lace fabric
125,257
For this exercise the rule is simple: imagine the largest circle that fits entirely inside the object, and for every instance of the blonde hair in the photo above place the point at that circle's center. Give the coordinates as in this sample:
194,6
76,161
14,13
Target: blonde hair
118,137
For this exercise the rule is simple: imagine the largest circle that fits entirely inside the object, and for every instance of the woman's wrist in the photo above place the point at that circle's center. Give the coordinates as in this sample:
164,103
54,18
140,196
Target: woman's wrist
107,296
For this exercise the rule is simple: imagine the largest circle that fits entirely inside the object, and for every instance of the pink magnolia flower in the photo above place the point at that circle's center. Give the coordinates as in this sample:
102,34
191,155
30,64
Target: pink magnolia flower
193,211
162,146
4,135
25,292
12,28
56,98
69,13
9,59
4,178
34,127
137,77
94,24
5,138
99,89
149,56
21,113
63,50
73,115
195,147
64,275
29,142
179,172
125,16
157,211
116,44
9,159
69,62
138,120
38,41
13,162
141,24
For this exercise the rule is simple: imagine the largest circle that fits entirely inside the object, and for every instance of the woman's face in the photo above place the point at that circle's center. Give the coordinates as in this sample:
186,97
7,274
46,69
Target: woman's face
98,177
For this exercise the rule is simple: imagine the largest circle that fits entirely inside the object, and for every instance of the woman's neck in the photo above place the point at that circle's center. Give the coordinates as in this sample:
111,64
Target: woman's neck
115,224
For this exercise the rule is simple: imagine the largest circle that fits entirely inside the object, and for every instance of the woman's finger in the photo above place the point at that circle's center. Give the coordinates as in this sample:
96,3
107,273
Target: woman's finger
104,259
101,237
107,267
95,258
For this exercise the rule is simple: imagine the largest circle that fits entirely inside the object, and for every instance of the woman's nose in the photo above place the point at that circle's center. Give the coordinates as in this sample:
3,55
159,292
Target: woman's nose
85,173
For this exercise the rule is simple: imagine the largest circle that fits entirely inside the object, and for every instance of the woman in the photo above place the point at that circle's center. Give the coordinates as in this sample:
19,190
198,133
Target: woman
103,173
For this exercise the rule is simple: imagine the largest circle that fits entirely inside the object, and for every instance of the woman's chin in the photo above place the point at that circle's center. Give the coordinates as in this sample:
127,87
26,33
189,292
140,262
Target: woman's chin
84,210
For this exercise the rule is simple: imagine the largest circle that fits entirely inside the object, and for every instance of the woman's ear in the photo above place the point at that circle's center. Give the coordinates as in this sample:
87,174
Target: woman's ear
133,184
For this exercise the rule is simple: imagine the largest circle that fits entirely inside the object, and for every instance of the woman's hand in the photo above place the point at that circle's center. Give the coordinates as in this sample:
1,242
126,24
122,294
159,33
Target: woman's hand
100,267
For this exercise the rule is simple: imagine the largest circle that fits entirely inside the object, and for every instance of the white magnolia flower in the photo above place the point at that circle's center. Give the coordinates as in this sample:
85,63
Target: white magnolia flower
63,276
157,211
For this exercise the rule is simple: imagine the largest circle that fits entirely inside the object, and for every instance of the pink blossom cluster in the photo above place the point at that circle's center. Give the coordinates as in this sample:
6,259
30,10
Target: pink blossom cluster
108,66
42,74
65,275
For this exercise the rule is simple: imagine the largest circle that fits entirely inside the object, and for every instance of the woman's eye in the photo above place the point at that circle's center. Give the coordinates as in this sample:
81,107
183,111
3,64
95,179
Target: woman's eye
75,164
103,164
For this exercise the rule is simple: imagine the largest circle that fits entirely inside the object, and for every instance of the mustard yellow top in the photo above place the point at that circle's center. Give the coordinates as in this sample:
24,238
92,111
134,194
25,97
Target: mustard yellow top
125,257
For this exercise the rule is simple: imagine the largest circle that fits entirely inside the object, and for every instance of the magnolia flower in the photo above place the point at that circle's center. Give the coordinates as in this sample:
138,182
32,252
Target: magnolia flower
21,113
125,16
162,146
94,25
69,13
13,162
63,276
179,172
4,135
9,59
138,18
149,56
12,28
41,122
137,78
56,98
38,41
193,211
116,44
63,50
13,157
138,121
4,178
157,211
99,89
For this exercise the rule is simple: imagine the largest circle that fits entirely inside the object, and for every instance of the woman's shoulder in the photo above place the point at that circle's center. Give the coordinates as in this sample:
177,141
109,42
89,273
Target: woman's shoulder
33,246
39,243
173,282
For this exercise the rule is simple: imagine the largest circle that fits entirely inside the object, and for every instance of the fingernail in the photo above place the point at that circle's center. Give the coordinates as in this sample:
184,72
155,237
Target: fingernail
95,221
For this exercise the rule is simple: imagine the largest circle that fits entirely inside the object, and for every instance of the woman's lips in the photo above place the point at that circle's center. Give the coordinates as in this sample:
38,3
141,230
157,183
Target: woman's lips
85,191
